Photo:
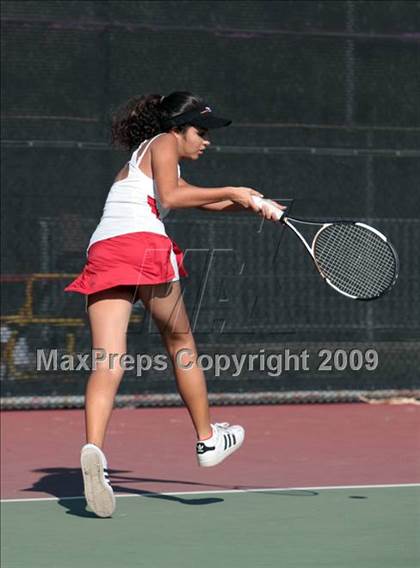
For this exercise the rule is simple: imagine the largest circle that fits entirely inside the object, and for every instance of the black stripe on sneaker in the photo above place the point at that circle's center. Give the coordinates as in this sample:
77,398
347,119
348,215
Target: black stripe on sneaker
225,439
230,440
234,439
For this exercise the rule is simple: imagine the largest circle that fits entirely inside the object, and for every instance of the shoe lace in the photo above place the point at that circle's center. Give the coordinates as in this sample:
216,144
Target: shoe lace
221,424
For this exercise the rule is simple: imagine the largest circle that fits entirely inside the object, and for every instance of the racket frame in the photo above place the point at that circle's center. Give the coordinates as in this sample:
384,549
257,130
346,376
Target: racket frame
281,217
310,248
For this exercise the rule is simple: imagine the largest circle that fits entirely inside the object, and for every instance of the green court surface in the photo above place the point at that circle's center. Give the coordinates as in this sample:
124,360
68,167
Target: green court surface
312,527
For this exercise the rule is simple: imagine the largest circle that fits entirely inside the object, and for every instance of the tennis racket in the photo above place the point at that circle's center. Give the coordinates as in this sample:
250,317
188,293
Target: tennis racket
353,258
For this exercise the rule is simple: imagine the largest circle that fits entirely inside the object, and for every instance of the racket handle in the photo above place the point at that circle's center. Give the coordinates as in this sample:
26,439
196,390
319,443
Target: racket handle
259,202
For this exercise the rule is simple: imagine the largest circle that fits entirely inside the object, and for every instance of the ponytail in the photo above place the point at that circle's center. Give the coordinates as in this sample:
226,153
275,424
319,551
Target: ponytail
141,118
138,120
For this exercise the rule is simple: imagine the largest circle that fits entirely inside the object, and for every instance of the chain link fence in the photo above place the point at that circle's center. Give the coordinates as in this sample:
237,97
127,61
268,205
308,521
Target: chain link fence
323,97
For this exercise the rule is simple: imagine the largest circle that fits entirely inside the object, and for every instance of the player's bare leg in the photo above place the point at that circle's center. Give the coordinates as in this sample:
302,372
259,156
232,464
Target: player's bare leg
166,306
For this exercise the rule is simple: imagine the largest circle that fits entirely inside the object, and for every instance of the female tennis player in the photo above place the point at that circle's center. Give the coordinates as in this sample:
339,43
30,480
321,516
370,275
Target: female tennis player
130,257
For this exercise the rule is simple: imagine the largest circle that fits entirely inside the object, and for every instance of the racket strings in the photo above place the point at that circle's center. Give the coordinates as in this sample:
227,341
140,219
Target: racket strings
355,260
366,266
358,247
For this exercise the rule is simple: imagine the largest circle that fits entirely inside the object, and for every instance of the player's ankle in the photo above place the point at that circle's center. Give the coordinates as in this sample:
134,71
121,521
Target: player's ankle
94,443
205,436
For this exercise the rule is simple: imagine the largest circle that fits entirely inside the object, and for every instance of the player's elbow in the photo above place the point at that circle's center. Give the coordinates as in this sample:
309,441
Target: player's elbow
165,201
168,202
172,199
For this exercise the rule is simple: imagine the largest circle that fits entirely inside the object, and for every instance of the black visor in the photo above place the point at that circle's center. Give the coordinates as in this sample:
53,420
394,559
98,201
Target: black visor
201,117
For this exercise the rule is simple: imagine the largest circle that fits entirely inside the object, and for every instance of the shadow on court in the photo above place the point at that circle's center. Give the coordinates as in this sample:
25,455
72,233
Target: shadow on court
77,507
67,484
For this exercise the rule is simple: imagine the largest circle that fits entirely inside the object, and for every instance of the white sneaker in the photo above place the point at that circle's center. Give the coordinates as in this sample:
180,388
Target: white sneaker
98,490
226,439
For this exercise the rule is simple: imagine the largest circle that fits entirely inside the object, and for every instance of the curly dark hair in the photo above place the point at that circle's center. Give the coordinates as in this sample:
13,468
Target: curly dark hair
141,118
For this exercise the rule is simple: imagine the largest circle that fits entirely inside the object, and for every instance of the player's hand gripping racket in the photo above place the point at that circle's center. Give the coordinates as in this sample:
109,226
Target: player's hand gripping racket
353,258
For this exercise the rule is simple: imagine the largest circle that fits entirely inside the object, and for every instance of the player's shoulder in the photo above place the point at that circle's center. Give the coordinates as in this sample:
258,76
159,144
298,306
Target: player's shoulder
166,142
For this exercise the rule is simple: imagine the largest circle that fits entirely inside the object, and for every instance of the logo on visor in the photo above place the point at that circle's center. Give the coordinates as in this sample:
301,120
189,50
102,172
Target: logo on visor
207,109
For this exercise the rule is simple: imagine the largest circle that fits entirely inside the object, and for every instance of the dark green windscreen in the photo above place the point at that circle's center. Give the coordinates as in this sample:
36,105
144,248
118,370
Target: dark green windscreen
324,98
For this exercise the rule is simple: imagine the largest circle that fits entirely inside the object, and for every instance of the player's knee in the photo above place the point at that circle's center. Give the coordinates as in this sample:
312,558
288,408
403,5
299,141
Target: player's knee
176,342
112,371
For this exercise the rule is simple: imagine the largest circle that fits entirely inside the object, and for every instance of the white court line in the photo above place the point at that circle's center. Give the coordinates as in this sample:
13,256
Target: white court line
222,491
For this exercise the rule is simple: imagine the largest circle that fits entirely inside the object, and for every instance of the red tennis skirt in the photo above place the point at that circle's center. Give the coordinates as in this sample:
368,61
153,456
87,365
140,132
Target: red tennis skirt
130,259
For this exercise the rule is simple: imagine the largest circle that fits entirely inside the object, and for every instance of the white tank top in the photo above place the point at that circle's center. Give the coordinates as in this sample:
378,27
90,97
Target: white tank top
132,204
